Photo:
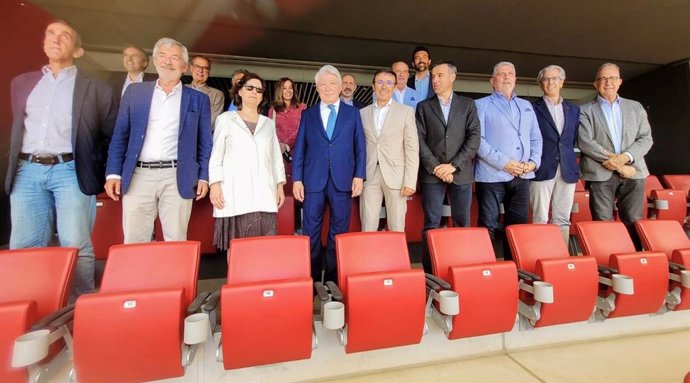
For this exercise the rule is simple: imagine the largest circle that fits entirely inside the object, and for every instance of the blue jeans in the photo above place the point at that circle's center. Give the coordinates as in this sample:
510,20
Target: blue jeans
44,195
514,195
433,196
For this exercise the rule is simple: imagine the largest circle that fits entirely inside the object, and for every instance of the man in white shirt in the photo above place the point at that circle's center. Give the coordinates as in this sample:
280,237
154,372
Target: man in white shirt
392,156
158,158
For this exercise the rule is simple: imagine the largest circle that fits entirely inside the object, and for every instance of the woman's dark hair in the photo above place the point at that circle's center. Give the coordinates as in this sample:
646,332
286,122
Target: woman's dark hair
243,82
278,103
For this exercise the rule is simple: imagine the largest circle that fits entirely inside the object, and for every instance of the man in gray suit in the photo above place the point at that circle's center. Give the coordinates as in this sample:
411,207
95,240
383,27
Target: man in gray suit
449,136
614,136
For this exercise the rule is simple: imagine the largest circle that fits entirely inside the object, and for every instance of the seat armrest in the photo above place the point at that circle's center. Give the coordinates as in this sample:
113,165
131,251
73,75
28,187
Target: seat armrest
438,281
197,302
673,266
527,276
606,270
212,302
55,319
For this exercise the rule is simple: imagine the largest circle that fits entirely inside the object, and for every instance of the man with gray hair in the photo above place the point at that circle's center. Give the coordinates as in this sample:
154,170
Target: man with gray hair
328,166
614,136
158,157
508,155
553,186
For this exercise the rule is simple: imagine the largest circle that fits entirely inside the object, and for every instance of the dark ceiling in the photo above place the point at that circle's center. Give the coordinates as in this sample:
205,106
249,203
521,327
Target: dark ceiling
639,35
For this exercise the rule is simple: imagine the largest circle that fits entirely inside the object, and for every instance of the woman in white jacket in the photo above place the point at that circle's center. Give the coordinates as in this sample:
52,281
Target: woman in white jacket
246,170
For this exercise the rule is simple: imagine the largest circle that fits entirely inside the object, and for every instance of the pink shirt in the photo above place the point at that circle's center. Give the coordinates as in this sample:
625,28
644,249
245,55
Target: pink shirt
287,124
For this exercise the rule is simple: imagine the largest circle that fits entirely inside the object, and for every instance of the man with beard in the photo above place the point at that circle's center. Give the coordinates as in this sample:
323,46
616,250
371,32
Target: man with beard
509,153
347,95
421,82
158,157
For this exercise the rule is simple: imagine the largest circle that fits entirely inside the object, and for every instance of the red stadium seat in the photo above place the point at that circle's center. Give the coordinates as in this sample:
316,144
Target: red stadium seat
107,229
650,184
610,244
669,204
384,297
539,249
580,213
414,218
267,303
33,284
488,289
131,331
678,181
670,238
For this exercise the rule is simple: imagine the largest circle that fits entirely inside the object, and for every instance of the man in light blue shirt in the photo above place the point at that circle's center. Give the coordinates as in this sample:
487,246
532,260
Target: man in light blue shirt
403,93
421,81
614,136
509,153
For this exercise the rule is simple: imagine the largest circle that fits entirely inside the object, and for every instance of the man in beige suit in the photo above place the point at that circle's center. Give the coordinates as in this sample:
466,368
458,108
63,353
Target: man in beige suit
392,156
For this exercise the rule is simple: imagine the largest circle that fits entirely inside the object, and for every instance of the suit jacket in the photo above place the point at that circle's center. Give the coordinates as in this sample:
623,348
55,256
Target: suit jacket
594,138
194,143
557,149
117,82
430,93
343,156
409,99
93,118
504,140
455,142
396,150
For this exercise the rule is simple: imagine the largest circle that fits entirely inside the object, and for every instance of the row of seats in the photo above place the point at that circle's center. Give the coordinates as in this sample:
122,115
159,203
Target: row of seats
662,203
147,317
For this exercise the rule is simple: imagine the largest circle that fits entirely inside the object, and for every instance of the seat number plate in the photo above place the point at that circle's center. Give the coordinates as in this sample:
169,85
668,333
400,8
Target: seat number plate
129,305
388,282
268,293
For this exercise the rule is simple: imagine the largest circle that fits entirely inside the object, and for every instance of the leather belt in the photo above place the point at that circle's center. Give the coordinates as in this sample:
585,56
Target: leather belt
45,159
157,164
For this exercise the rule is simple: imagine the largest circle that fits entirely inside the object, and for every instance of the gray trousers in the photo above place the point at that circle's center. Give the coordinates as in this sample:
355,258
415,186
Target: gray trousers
555,195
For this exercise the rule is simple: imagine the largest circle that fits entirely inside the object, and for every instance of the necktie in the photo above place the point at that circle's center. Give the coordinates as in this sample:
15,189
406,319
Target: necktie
330,125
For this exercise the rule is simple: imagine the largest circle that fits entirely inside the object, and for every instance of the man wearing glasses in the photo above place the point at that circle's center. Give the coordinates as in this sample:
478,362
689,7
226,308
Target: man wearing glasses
449,135
159,153
553,186
508,155
614,136
201,69
392,156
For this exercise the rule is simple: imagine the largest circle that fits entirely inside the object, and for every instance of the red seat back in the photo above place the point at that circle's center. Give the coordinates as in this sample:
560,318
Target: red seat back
370,252
33,283
107,229
286,216
268,258
677,204
581,211
678,181
600,239
153,265
662,235
414,218
267,304
652,183
531,242
460,246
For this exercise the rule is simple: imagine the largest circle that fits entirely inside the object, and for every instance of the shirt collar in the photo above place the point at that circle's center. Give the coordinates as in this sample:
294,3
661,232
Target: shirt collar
548,101
602,100
450,99
376,105
502,97
175,89
69,71
325,106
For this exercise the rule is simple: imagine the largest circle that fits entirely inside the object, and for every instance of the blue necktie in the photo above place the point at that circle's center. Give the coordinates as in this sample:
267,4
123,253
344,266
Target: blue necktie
330,125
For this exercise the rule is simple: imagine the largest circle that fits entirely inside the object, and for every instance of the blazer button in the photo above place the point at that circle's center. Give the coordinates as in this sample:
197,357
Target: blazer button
517,148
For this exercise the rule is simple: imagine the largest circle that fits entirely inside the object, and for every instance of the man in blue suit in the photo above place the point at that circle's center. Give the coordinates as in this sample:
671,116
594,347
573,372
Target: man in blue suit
158,157
509,153
553,186
403,93
329,166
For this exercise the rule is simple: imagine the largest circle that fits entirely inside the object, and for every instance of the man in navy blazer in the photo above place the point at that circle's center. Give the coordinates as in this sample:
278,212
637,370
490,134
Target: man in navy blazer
62,123
158,157
328,166
553,186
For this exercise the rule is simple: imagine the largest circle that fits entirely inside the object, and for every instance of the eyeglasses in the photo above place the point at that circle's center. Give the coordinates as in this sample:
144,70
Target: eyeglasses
201,68
608,79
250,88
387,83
551,79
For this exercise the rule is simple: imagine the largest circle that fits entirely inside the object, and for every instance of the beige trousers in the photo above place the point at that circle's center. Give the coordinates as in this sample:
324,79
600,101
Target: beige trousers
376,191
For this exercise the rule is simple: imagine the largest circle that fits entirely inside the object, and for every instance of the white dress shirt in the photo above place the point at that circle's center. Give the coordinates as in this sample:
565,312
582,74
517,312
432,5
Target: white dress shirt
48,121
325,112
380,116
160,143
556,111
139,78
